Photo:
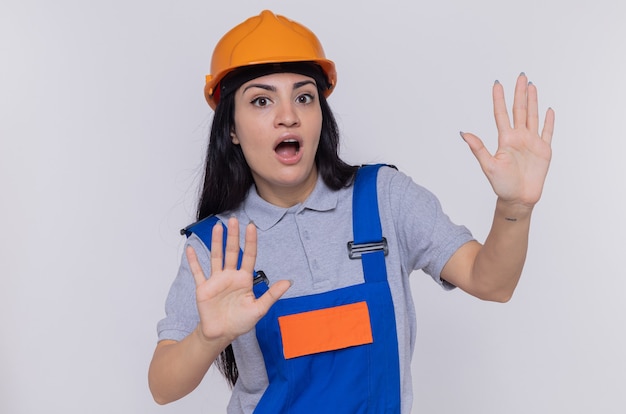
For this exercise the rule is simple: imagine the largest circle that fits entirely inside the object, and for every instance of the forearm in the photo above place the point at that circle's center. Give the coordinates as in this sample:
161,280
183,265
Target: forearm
177,368
499,262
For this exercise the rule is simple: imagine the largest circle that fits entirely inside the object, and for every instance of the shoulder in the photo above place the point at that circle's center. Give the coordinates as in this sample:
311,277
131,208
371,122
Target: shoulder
397,188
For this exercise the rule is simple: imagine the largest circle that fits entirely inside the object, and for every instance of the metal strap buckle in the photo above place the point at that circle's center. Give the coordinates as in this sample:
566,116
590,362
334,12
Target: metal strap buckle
260,277
355,251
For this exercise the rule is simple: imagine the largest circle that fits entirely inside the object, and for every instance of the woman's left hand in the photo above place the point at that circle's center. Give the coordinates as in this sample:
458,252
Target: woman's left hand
518,169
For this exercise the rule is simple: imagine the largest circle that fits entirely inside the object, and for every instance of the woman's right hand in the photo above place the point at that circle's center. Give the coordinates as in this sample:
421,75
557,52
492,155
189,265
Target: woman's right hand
226,303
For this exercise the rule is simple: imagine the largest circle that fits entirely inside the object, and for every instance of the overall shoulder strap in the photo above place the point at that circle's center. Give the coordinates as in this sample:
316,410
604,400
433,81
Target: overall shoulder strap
202,229
369,244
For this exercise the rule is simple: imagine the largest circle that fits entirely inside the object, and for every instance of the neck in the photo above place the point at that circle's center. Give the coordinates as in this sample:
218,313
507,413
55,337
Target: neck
288,195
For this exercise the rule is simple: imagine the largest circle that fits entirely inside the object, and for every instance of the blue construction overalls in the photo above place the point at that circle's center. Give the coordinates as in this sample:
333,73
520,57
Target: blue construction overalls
333,352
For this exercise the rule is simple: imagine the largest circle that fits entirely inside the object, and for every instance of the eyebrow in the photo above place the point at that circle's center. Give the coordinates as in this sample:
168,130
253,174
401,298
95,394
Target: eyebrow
273,88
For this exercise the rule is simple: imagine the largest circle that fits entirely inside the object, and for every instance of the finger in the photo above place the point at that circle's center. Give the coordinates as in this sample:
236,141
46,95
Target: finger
548,127
532,120
249,250
499,108
194,265
217,241
520,101
270,297
231,255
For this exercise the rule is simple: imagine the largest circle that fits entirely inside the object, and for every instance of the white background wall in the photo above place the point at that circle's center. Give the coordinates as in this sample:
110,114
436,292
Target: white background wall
102,131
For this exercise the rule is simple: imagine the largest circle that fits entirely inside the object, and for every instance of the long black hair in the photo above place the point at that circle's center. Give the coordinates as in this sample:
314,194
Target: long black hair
227,176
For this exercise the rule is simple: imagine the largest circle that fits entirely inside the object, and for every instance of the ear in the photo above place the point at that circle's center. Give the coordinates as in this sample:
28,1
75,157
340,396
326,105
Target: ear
233,137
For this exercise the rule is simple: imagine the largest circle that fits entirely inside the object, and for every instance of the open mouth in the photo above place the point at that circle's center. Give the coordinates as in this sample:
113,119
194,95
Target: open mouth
288,148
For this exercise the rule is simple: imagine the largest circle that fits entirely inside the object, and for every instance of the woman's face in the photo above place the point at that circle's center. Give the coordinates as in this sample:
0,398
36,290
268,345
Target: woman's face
278,122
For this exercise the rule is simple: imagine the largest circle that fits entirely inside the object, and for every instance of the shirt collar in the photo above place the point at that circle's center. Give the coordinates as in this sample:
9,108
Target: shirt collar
266,215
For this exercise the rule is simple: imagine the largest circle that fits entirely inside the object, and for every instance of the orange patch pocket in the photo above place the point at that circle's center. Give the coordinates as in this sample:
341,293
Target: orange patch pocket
324,330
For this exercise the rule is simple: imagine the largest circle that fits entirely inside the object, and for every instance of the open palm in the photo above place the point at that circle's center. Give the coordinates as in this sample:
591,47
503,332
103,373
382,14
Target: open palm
518,169
226,303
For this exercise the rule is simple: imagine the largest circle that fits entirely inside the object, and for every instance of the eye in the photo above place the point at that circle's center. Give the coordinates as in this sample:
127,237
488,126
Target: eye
305,98
260,101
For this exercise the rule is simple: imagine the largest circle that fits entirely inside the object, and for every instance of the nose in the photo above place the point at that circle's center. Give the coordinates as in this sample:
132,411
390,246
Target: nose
287,115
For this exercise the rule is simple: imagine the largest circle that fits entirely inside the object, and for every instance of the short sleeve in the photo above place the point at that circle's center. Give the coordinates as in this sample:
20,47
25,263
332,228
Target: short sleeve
427,237
180,306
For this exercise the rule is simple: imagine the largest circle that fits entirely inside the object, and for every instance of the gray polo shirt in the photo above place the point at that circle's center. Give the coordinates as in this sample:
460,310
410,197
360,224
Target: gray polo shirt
306,243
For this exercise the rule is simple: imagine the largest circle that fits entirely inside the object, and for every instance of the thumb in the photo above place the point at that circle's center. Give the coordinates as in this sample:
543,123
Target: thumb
477,147
270,297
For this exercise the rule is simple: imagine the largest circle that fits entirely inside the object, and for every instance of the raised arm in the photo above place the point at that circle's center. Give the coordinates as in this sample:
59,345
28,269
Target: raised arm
516,172
227,308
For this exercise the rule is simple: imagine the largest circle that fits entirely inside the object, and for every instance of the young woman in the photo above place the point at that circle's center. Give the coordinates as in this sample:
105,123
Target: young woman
314,313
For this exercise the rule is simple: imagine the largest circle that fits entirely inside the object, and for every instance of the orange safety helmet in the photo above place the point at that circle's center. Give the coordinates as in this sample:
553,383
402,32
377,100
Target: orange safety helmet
266,38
